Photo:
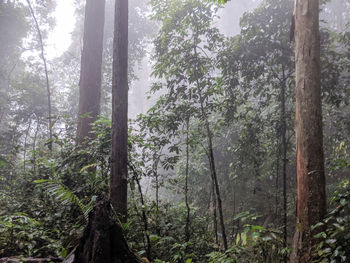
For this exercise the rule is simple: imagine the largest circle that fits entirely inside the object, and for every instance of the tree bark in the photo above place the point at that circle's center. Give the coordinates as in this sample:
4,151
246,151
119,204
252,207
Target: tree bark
91,64
102,240
212,207
119,169
311,204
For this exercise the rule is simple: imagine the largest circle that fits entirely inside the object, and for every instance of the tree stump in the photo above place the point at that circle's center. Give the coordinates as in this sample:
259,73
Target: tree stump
102,240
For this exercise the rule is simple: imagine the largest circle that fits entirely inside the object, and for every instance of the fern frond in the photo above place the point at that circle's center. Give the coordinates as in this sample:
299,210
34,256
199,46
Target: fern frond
62,193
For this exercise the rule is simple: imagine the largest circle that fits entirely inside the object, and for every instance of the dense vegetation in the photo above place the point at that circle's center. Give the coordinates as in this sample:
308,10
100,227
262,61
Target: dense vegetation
211,153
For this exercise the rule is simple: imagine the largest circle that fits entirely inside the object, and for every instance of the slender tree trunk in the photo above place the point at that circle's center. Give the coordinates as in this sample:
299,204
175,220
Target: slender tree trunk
157,191
311,204
34,144
156,176
213,208
91,64
284,154
234,211
46,73
188,210
210,148
278,156
25,147
144,214
119,169
145,220
213,170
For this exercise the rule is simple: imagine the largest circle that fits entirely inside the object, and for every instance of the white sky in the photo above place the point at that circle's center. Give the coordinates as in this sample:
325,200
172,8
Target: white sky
60,38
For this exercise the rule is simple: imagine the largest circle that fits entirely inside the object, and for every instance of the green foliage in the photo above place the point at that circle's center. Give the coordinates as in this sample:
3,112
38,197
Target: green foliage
167,233
62,193
334,232
235,84
19,232
58,191
254,244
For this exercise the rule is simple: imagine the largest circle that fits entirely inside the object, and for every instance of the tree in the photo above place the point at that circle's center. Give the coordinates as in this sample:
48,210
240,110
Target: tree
119,158
185,49
90,72
311,204
48,89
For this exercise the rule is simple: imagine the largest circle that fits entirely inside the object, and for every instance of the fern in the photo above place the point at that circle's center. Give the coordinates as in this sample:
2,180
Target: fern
62,193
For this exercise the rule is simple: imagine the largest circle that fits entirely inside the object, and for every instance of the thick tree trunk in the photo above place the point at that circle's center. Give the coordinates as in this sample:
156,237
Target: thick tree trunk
91,63
102,240
311,205
119,169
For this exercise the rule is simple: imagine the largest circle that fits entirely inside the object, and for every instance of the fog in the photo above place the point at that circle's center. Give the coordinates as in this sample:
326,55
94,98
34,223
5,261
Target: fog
222,123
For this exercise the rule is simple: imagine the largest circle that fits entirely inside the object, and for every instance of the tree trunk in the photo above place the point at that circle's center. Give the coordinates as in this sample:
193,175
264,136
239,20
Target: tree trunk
278,156
188,211
34,144
156,177
284,154
311,204
46,73
144,212
25,147
102,240
213,169
212,207
119,169
90,73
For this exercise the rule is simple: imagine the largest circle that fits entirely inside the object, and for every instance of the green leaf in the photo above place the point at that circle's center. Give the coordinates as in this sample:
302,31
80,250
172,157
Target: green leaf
321,235
331,241
3,164
255,227
87,167
154,238
317,225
